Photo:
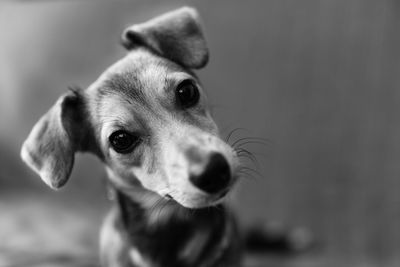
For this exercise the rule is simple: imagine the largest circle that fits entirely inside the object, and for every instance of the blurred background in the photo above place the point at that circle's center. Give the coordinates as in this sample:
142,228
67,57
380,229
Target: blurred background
319,78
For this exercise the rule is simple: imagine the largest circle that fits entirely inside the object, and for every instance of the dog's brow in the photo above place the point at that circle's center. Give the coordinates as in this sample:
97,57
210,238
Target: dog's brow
116,121
127,84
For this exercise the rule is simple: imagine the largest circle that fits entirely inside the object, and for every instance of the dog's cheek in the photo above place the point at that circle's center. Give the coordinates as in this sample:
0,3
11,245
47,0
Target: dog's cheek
201,118
157,178
122,166
150,161
208,124
122,177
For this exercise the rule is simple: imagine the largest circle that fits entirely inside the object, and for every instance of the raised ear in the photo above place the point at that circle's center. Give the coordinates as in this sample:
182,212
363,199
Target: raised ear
50,147
176,35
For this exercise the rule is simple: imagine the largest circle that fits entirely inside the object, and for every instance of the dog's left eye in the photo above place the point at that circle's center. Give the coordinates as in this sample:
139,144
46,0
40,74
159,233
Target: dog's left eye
123,142
187,94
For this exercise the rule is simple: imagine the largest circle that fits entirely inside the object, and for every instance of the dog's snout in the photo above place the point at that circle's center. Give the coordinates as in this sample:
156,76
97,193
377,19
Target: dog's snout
216,175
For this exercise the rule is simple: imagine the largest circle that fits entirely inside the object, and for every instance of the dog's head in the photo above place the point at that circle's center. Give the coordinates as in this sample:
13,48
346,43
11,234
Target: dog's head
146,117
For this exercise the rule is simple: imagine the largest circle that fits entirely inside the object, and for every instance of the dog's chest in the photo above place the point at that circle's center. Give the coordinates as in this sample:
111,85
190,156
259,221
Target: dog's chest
176,244
179,240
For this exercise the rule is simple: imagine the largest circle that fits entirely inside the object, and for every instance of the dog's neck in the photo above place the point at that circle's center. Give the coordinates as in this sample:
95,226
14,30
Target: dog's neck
164,230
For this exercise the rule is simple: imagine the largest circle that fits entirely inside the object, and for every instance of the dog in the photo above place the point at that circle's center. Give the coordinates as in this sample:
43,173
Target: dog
147,119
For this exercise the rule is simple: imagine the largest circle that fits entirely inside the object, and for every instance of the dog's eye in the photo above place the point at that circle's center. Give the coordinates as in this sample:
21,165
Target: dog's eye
187,94
123,142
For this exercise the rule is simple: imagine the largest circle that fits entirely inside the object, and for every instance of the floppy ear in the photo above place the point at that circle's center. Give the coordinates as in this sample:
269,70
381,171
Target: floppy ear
176,35
50,147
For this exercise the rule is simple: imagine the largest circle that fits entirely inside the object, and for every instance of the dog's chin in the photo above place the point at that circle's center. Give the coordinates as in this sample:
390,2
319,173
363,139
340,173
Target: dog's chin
198,202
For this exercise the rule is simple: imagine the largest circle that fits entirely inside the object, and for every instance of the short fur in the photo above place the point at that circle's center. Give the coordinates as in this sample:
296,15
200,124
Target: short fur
159,218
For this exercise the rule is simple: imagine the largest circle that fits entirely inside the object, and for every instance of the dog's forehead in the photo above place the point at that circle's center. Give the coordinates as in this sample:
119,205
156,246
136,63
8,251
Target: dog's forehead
134,83
136,75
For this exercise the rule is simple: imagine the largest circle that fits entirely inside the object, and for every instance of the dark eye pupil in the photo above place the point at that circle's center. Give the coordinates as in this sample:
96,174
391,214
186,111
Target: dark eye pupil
187,94
122,142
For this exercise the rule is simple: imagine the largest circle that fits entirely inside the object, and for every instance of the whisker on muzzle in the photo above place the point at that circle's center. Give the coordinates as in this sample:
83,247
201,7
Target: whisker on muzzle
243,147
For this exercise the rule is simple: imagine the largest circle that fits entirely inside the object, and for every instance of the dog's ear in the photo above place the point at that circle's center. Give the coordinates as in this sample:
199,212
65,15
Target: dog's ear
50,147
176,35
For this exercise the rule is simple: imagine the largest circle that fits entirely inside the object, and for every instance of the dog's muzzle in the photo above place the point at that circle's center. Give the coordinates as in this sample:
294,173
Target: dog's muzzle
216,176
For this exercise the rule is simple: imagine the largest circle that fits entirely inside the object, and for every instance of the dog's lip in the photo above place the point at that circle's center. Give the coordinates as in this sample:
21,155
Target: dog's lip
223,193
218,197
212,201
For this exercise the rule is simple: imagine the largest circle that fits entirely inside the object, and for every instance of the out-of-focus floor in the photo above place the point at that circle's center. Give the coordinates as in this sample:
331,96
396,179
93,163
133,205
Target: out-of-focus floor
42,230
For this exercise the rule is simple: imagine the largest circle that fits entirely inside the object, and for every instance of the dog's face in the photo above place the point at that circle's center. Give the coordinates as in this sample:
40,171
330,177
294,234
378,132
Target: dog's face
154,128
146,117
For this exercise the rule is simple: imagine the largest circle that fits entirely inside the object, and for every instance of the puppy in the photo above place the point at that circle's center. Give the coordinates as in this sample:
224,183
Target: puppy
146,118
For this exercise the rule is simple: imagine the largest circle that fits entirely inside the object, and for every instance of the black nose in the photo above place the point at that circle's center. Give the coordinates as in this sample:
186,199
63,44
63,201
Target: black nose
216,176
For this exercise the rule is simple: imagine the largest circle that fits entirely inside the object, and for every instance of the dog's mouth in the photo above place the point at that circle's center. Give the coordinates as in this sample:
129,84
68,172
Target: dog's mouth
199,202
223,194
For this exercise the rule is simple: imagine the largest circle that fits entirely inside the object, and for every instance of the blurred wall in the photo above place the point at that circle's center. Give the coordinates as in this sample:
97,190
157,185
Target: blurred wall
319,78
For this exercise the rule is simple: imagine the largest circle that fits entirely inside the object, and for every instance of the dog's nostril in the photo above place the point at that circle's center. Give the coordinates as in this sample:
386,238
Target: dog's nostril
216,175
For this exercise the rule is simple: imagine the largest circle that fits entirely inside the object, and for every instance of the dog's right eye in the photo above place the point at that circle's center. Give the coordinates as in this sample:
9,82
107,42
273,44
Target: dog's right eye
123,142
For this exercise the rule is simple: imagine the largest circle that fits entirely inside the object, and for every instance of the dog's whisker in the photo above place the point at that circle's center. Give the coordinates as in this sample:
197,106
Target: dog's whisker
247,175
247,154
251,145
255,153
242,150
153,208
253,142
250,157
245,159
243,168
159,210
232,132
162,206
264,141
